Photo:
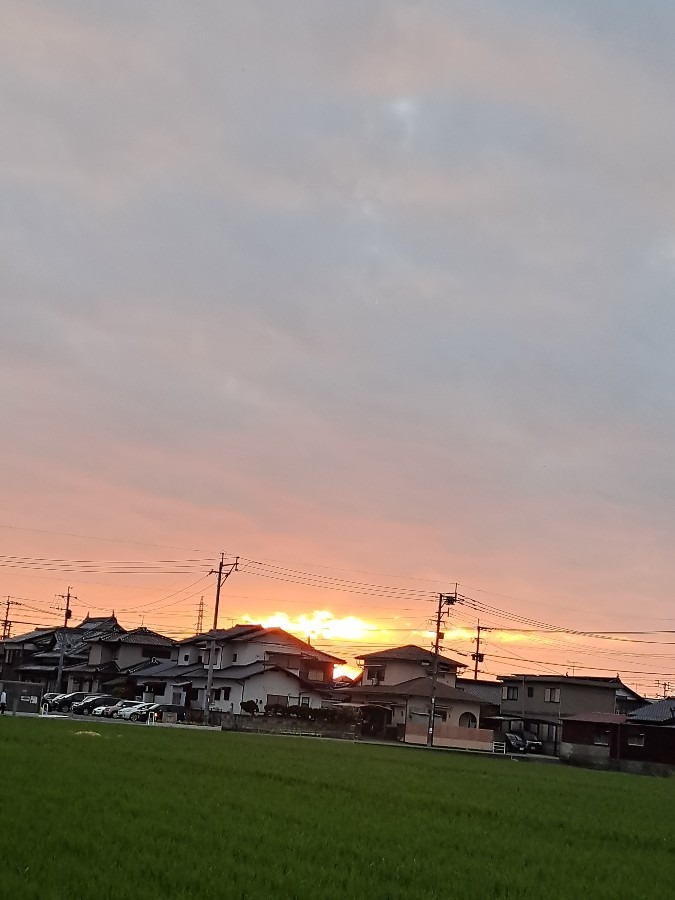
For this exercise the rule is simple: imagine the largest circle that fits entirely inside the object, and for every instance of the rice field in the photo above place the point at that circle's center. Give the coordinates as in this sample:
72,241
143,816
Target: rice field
142,812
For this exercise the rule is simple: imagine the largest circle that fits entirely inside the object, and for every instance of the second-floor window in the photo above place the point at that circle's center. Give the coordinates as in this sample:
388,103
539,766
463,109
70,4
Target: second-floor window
552,695
509,692
375,673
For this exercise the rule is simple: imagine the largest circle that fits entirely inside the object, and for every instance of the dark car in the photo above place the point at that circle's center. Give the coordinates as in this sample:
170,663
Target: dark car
515,743
64,702
85,707
532,743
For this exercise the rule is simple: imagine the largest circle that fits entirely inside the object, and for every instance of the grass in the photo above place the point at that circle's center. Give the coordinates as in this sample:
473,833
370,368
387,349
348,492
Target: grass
155,813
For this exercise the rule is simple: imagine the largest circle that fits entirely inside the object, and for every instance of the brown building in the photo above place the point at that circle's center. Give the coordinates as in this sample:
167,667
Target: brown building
610,740
538,704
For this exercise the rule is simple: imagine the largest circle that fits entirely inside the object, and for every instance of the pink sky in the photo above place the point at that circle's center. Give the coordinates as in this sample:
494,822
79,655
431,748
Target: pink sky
379,292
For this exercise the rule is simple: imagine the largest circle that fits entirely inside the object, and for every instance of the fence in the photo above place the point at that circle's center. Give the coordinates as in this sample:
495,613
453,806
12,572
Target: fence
450,736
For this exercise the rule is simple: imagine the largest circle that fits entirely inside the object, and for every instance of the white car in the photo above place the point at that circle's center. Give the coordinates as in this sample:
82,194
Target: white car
132,713
112,709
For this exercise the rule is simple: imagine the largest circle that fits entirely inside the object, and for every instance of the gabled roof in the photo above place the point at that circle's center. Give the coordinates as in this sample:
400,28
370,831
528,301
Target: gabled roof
304,646
29,636
661,711
143,636
410,653
416,687
222,634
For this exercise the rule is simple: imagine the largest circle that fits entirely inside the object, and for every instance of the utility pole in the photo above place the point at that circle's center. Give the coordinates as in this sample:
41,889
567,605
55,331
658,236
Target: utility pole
223,574
200,616
444,601
62,654
477,657
6,624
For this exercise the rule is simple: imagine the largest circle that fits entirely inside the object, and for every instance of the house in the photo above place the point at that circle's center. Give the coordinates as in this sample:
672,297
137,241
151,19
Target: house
35,656
266,665
395,692
115,655
538,703
489,693
662,712
615,740
401,664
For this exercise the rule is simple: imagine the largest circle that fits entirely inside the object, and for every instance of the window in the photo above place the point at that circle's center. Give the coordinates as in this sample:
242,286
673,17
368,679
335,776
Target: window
375,673
509,692
234,657
175,698
186,657
304,701
636,740
216,694
277,700
552,695
530,692
467,720
315,675
601,738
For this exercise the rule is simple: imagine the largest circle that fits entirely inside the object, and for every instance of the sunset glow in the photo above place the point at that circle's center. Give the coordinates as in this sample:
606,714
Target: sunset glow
319,624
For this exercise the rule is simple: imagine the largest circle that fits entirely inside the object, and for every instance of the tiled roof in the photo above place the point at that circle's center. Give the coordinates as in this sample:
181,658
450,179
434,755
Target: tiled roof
223,634
409,652
29,636
597,718
305,648
661,711
138,636
485,691
416,687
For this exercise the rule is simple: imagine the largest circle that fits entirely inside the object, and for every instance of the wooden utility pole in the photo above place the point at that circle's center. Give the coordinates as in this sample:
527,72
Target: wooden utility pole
62,653
223,574
477,657
6,623
444,601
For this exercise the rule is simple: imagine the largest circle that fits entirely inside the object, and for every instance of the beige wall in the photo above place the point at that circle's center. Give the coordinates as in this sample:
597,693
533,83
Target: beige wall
397,671
574,698
446,735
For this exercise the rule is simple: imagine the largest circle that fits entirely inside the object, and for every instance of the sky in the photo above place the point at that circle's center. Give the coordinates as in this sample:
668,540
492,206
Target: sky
378,294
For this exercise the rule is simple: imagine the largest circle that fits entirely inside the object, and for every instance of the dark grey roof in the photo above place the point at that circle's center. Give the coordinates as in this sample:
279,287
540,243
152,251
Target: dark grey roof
222,634
29,636
143,636
416,687
661,711
164,670
411,653
485,691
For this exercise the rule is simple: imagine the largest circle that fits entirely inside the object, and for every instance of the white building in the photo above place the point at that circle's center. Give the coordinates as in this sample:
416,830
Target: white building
266,665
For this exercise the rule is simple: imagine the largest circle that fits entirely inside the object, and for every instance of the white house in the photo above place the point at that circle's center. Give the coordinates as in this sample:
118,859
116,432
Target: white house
396,688
266,665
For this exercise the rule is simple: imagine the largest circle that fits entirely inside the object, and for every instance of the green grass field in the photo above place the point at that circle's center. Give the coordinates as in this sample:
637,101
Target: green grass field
145,812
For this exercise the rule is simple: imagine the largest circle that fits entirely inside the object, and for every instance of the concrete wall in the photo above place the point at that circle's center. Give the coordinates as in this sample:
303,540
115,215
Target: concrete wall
22,696
585,754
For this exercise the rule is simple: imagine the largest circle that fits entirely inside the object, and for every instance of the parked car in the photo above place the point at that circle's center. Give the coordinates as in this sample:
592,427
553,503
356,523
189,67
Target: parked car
111,711
86,706
65,701
532,743
49,698
514,742
137,713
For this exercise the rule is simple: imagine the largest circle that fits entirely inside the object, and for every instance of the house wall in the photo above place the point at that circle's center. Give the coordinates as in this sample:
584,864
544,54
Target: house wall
396,671
417,711
574,698
256,688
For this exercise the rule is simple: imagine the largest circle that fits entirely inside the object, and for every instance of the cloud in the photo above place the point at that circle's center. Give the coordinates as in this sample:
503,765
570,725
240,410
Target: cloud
379,286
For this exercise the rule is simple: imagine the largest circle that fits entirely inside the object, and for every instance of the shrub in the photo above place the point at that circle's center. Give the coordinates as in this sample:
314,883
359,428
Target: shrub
249,706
